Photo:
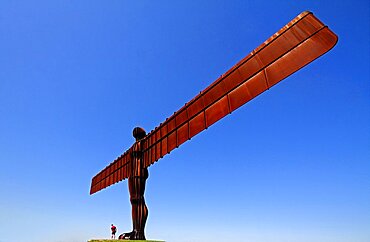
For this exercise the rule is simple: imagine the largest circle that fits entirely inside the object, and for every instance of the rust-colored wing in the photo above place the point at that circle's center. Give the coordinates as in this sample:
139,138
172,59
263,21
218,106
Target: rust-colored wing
116,171
298,43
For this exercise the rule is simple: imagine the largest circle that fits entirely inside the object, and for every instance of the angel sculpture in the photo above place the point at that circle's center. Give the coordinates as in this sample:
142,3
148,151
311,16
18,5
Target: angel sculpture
298,43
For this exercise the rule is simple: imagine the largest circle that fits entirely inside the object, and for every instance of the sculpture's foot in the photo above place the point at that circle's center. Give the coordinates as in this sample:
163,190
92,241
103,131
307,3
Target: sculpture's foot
134,235
139,236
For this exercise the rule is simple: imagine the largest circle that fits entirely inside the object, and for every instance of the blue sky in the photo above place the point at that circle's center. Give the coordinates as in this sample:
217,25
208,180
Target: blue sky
77,76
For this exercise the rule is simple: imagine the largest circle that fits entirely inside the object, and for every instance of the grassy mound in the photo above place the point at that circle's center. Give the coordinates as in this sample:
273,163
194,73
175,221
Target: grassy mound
118,240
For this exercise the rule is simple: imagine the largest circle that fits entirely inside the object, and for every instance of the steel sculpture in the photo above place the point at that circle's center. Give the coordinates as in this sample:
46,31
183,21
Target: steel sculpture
298,43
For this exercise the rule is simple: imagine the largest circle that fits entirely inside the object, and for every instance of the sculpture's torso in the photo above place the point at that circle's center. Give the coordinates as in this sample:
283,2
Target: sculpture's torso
138,161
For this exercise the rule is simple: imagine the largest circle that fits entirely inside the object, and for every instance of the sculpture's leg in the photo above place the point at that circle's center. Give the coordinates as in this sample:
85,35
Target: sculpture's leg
139,209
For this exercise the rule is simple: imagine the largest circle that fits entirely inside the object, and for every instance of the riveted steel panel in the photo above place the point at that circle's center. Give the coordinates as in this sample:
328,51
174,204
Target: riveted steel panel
195,106
239,97
182,134
197,124
217,111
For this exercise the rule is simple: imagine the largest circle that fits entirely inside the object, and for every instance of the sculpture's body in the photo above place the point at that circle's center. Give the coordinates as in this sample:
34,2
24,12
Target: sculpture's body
298,43
136,186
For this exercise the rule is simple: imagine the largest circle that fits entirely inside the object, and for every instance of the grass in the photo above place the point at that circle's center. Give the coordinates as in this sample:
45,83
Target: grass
118,240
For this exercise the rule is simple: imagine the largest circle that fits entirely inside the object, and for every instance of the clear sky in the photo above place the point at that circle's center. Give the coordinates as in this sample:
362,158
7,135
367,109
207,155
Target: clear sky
292,165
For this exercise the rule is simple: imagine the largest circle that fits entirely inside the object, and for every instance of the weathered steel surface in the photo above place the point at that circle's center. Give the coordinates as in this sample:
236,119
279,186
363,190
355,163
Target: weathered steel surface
298,43
118,170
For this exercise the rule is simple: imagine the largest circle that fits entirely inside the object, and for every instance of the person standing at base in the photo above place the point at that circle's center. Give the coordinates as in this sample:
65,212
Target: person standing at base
114,230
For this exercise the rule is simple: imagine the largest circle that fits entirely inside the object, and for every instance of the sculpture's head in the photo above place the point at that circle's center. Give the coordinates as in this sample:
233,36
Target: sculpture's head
138,133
